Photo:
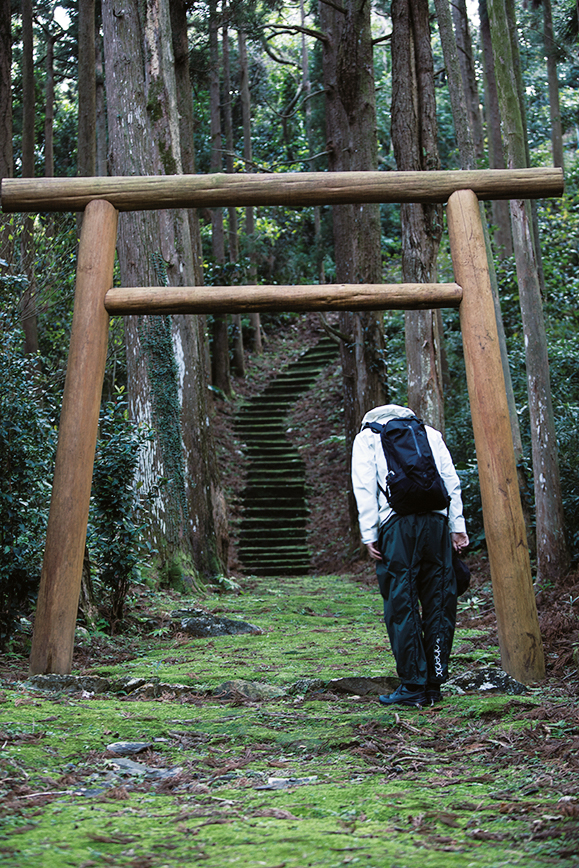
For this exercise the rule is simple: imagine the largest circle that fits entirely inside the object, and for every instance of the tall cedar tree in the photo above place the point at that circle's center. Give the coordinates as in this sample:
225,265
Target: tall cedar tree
86,89
352,145
414,137
167,377
220,374
502,238
466,149
552,553
27,303
6,161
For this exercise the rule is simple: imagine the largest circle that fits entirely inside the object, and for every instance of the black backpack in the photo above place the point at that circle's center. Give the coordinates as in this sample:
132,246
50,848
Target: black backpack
413,483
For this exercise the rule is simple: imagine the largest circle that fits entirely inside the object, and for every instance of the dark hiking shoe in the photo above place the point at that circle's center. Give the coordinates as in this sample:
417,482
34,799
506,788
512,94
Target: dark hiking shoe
403,696
433,694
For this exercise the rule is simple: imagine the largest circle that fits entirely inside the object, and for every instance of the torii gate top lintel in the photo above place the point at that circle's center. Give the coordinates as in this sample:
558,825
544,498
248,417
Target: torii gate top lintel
293,189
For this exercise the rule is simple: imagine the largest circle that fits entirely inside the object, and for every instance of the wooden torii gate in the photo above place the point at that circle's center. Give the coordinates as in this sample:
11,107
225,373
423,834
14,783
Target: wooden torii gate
95,299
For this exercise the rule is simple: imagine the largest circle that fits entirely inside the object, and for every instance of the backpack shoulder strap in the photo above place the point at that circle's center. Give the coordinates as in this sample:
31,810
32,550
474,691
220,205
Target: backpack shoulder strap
376,427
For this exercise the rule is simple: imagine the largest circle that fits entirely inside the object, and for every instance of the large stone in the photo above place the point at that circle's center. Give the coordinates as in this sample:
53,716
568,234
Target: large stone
486,680
128,748
71,683
254,691
199,623
126,766
155,688
286,783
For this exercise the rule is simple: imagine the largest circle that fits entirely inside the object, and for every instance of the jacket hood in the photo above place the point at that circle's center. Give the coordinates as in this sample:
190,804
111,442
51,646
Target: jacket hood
385,413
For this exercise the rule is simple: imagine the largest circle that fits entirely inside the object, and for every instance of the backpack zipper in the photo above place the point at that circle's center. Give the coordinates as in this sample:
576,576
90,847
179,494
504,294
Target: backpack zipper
411,429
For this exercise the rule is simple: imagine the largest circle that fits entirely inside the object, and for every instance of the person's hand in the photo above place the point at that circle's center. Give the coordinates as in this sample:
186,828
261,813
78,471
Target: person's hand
373,551
459,541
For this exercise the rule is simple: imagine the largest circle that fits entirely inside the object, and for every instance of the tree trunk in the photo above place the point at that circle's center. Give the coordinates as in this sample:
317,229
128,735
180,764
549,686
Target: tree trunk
503,240
167,379
28,300
468,161
554,109
307,89
49,107
468,74
220,375
232,222
353,146
101,115
254,318
414,137
552,553
6,160
86,159
186,120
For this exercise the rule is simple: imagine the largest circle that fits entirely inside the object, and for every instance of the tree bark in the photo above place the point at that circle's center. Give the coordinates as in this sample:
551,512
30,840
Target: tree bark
220,374
552,553
167,378
238,356
28,300
468,74
6,158
49,107
178,10
255,319
502,238
554,108
101,115
86,158
307,89
414,137
467,161
353,146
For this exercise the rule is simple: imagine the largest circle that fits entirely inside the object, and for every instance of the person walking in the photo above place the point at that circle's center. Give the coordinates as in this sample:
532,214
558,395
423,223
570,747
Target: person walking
413,555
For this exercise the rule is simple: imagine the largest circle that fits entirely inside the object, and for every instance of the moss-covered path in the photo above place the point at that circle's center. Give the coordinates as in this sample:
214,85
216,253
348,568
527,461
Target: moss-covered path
314,777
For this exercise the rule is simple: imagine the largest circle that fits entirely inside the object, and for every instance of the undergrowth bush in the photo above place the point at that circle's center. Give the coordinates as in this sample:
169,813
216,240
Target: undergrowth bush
27,443
117,512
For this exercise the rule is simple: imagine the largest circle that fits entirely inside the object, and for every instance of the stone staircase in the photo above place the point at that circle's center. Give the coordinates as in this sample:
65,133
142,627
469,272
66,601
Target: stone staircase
272,534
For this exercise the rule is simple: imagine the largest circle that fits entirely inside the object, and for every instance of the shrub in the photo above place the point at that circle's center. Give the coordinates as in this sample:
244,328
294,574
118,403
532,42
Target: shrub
117,513
27,443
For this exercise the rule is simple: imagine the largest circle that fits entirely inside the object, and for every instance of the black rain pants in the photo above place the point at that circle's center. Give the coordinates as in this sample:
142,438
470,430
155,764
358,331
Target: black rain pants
416,571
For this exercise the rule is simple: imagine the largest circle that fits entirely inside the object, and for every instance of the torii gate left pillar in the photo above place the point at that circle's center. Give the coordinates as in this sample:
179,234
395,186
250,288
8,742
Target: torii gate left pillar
57,607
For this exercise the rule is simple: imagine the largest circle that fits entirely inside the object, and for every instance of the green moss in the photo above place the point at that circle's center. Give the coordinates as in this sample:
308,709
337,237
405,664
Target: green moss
154,102
167,159
457,785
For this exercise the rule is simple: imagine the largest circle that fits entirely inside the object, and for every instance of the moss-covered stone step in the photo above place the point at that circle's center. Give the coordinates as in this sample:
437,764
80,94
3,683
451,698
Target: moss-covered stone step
272,531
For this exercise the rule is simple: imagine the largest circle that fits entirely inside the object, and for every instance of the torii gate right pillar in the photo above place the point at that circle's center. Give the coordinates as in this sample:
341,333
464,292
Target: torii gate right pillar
516,610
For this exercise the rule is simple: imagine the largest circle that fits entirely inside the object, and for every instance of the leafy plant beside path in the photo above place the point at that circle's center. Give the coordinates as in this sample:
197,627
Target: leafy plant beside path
282,767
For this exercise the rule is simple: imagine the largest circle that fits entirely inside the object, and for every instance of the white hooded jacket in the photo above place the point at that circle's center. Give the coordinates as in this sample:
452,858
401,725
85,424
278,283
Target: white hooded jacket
369,468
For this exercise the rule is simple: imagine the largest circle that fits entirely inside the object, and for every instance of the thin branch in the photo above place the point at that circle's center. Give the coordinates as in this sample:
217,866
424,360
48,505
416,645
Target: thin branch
334,333
269,51
295,28
382,39
293,113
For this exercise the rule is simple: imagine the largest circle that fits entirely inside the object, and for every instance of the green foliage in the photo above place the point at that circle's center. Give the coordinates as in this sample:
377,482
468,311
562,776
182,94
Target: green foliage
26,452
117,514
